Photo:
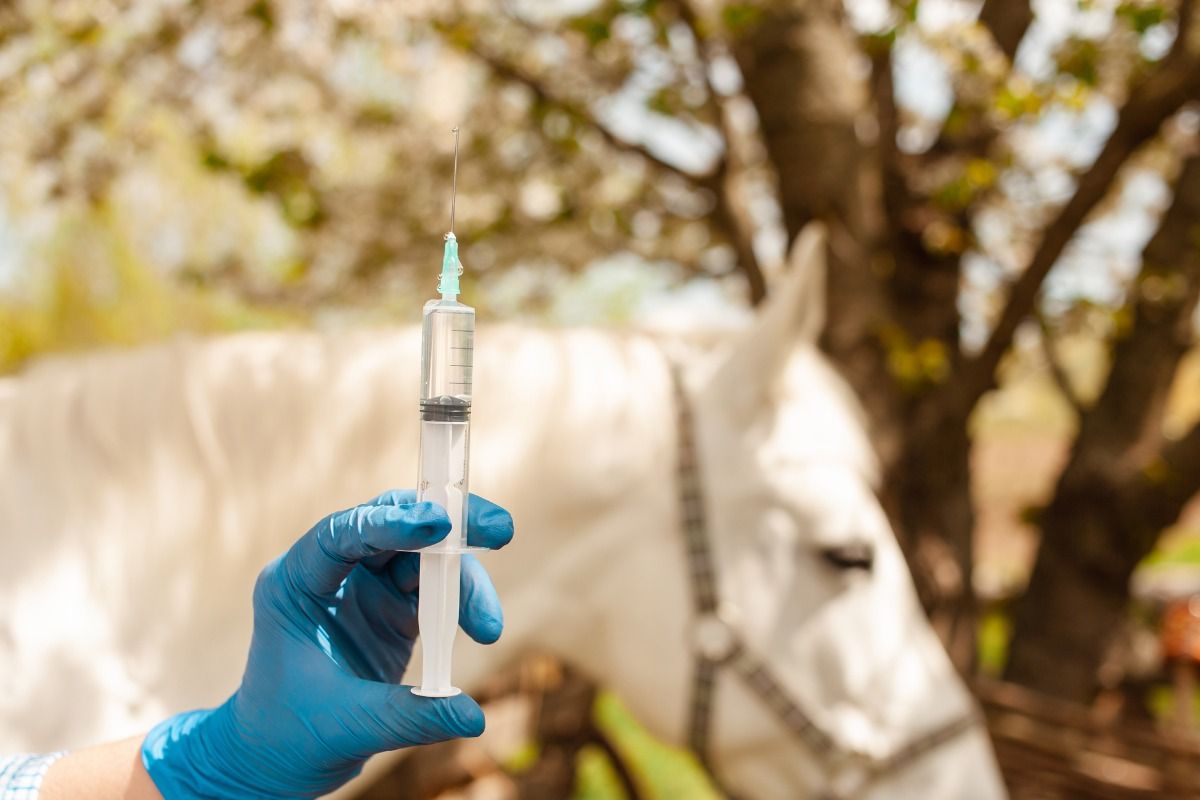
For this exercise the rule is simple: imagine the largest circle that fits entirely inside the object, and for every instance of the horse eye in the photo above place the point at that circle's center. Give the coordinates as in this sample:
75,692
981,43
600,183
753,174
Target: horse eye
857,555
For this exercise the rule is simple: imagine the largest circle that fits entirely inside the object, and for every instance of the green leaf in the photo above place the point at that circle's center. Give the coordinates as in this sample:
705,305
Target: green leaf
665,101
994,633
596,30
261,10
1080,59
1022,103
737,17
521,759
1140,16
646,7
213,160
596,26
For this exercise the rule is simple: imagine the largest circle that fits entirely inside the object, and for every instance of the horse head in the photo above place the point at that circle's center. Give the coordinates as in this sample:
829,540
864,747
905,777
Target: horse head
812,580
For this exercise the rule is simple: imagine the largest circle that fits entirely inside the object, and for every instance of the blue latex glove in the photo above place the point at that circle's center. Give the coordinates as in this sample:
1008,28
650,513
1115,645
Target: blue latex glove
334,623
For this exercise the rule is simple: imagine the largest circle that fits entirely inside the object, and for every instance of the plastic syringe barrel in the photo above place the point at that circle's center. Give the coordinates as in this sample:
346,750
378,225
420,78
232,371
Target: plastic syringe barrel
447,350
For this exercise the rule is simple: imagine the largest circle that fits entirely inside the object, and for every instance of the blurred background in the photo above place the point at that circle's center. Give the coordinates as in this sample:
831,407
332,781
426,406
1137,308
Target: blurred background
1012,190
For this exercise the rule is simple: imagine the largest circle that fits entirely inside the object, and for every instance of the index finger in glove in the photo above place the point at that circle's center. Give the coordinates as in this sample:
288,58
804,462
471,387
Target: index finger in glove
324,556
488,525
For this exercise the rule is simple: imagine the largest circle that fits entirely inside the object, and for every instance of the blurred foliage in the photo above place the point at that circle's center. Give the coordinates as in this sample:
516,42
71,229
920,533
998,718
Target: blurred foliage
595,778
915,365
74,306
295,158
270,161
995,629
661,772
1142,16
1179,546
1163,705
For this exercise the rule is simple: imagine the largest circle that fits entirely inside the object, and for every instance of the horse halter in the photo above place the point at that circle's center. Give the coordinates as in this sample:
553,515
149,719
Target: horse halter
718,646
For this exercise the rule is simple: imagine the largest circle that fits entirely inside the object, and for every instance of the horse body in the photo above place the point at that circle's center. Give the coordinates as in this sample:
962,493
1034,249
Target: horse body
144,490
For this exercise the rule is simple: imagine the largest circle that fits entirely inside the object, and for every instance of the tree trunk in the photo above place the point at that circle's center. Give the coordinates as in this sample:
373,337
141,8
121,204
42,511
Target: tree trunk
927,485
796,61
1123,483
1076,597
933,484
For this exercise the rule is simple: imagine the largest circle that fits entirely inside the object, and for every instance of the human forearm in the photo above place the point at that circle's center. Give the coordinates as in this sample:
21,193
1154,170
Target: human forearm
111,771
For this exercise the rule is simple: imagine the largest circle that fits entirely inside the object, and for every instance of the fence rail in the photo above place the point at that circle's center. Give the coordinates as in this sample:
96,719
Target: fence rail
1050,749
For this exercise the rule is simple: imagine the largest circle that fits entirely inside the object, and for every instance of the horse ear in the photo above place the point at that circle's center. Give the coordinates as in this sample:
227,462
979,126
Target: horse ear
794,313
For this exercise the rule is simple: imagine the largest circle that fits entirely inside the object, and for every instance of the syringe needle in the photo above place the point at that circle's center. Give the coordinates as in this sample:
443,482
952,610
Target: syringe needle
454,180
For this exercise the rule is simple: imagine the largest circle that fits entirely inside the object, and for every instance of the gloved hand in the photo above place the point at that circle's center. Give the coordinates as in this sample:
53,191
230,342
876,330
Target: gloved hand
334,623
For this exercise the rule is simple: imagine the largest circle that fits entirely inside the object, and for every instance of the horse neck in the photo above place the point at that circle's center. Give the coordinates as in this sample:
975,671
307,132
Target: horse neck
572,428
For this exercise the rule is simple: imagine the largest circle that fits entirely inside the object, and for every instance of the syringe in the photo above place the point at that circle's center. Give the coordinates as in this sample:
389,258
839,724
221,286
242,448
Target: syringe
447,348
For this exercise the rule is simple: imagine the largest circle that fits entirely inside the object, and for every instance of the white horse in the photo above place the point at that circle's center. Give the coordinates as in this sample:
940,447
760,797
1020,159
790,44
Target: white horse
142,491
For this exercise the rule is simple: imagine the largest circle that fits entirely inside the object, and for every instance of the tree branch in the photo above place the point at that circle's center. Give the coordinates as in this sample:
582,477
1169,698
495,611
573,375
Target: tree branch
895,190
1122,432
717,180
738,227
1007,20
926,279
1186,19
1150,103
1061,379
736,224
510,72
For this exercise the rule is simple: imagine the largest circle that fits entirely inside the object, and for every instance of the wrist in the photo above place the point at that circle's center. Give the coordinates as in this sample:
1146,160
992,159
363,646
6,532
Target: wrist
190,757
208,755
180,759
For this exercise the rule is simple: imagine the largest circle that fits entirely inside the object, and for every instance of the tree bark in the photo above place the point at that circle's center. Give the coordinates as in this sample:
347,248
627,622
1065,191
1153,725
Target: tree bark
928,483
934,481
796,62
1123,483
